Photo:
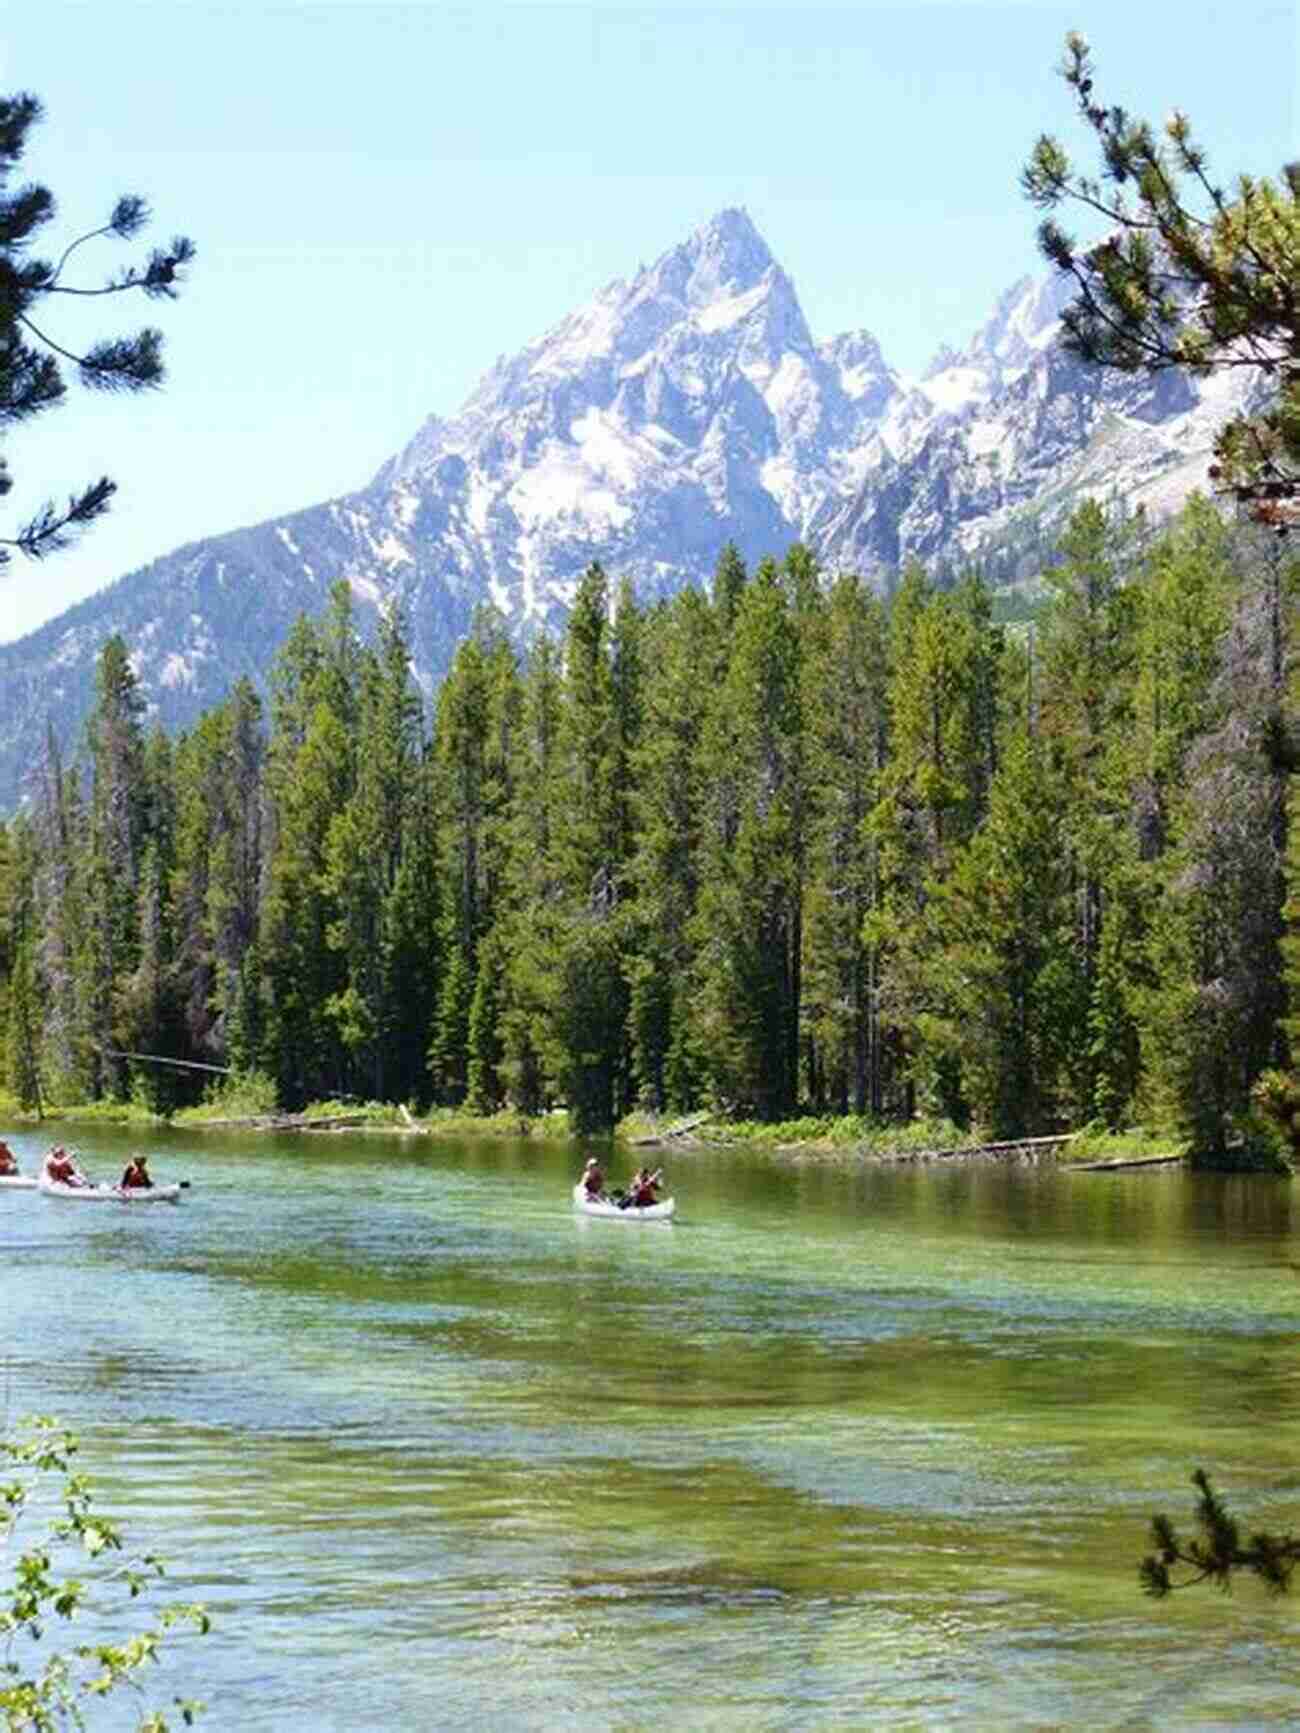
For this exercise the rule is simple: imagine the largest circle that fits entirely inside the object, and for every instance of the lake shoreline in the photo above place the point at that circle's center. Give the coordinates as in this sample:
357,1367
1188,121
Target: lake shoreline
822,1141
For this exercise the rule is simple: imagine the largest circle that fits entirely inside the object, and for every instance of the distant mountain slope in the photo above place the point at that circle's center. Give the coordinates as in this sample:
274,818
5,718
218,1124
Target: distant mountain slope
674,412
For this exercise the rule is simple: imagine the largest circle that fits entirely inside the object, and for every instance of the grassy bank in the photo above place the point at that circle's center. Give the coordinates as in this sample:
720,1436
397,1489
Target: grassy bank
1137,1144
84,1113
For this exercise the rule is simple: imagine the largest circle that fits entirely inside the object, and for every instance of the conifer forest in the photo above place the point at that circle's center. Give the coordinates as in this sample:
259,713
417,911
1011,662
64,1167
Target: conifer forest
788,846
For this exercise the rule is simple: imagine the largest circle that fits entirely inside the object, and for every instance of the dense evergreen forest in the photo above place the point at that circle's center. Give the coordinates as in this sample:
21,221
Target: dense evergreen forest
786,846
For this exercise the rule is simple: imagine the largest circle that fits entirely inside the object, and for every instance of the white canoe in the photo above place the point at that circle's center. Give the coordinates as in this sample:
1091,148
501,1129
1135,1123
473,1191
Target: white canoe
111,1193
18,1181
651,1212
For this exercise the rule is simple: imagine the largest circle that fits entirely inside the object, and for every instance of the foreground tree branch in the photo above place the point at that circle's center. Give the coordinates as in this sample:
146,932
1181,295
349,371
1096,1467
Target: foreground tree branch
1187,275
31,377
1217,1552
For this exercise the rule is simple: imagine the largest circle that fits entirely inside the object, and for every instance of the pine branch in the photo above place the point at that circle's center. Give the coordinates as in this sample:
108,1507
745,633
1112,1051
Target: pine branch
116,364
1217,1552
52,529
161,276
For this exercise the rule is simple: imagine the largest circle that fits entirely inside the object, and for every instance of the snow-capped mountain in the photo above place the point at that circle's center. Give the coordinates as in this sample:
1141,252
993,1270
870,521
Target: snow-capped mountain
675,411
1019,433
680,409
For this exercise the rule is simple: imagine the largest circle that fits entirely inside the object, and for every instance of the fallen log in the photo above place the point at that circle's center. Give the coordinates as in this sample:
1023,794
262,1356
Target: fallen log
285,1122
1126,1161
683,1129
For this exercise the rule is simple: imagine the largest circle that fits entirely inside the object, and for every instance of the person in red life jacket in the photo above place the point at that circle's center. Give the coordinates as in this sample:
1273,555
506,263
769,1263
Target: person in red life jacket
645,1190
136,1175
62,1169
593,1181
8,1161
642,1189
627,1198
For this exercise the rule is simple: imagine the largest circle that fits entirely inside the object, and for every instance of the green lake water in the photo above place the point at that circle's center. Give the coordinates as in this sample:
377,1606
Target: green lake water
840,1447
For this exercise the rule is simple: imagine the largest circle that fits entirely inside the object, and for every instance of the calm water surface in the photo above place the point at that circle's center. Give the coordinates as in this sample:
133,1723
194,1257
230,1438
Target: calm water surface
840,1448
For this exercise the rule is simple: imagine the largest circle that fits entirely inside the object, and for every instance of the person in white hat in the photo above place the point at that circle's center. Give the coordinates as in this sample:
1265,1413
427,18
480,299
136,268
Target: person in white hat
593,1180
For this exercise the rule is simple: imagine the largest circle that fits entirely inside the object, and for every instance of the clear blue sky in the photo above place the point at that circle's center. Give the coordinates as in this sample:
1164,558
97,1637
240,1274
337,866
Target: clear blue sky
386,197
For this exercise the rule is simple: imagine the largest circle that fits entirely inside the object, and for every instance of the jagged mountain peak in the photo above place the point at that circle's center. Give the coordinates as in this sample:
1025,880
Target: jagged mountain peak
1022,326
653,349
723,258
1024,320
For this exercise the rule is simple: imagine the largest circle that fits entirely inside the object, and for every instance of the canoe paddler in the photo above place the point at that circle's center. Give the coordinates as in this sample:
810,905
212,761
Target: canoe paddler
645,1188
136,1176
593,1180
8,1160
62,1169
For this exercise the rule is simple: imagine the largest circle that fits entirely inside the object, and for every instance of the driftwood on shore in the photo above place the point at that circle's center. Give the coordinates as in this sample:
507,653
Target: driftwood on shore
287,1122
1026,1150
1127,1161
680,1133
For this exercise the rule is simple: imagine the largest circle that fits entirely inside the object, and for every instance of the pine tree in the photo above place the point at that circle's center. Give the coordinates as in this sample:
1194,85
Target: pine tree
845,681
943,654
116,843
672,781
364,851
20,998
1185,275
528,919
585,1023
485,1091
1212,1019
473,746
747,928
310,778
1085,718
31,377
1008,989
1179,600
62,899
729,580
217,876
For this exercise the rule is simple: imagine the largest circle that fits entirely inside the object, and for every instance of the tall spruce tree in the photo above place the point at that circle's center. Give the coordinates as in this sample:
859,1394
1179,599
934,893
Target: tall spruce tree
311,769
117,840
1085,718
472,751
587,1010
528,920
672,792
1213,1016
747,928
845,681
943,650
1007,992
363,859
